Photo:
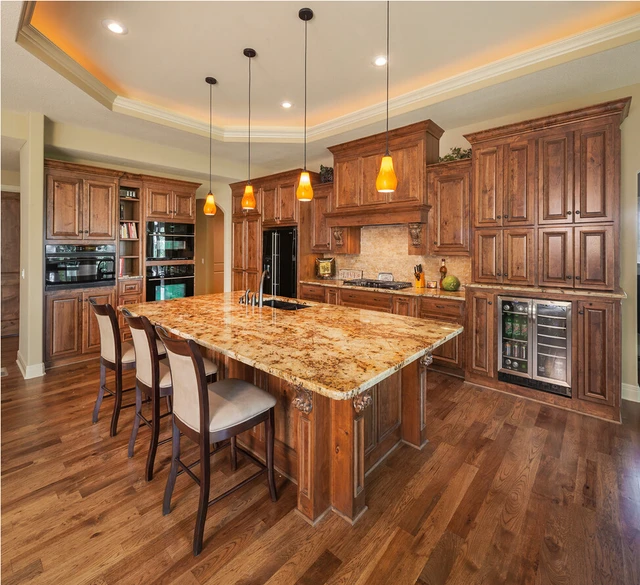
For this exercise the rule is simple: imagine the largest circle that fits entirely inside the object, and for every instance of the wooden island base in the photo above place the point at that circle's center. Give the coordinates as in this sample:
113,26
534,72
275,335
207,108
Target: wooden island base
328,446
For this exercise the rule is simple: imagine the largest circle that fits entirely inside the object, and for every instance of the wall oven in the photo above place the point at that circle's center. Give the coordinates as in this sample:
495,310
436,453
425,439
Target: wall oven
170,241
534,344
71,266
170,281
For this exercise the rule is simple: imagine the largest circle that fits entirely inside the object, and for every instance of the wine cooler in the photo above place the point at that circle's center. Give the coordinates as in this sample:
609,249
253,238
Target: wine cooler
534,344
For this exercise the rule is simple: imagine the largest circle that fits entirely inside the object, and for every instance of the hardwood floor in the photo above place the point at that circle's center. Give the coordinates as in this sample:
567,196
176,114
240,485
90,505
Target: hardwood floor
507,491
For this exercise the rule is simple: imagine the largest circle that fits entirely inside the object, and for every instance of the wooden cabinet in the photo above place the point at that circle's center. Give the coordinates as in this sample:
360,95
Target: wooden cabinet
359,299
280,204
168,202
405,306
320,205
480,335
448,357
555,177
598,351
347,183
71,329
129,293
247,252
312,292
505,255
79,206
449,194
487,186
332,296
487,256
577,257
346,240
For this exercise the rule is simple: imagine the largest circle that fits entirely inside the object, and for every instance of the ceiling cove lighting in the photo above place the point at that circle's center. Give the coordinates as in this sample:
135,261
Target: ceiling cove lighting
115,27
249,199
286,105
387,180
210,202
304,192
380,61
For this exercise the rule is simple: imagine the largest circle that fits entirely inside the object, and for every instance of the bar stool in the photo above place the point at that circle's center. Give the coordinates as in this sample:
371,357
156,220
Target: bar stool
114,356
153,379
212,413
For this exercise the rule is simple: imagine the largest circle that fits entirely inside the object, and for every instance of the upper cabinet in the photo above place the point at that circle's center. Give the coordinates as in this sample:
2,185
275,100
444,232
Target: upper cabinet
548,173
355,199
80,205
449,194
279,203
170,201
320,205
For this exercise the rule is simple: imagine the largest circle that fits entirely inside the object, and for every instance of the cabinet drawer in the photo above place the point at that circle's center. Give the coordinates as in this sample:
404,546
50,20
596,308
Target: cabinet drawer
441,309
310,292
365,300
129,287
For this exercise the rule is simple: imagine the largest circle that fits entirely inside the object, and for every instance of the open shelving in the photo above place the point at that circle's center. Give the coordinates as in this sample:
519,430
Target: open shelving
129,234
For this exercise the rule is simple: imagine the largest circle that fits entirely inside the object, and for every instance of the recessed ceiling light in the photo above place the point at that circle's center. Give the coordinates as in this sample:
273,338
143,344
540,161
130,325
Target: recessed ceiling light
286,105
380,61
115,27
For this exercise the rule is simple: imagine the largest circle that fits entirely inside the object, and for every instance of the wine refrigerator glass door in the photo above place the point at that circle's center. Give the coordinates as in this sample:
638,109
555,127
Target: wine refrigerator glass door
515,336
552,339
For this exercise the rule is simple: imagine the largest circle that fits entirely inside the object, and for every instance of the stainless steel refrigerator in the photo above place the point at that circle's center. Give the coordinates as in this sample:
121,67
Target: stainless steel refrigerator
279,256
534,344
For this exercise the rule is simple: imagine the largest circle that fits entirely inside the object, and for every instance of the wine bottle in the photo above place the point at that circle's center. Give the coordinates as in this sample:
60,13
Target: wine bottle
443,272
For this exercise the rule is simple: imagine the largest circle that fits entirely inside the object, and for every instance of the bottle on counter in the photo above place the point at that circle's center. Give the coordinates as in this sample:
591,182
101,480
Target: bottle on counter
443,272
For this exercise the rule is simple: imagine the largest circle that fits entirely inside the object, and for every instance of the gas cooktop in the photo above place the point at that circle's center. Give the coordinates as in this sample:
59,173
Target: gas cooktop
370,283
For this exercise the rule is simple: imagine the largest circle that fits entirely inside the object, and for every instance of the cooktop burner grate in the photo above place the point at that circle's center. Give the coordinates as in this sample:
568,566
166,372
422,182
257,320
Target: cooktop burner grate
370,283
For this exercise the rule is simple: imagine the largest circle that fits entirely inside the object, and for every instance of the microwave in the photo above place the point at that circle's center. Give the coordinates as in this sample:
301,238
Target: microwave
71,266
170,241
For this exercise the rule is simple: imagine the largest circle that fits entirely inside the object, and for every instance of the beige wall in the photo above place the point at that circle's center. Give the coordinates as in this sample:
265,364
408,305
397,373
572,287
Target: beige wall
629,201
10,179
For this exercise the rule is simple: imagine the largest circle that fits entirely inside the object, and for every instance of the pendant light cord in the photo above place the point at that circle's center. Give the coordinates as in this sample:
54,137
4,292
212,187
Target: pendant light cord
210,130
387,151
305,94
249,143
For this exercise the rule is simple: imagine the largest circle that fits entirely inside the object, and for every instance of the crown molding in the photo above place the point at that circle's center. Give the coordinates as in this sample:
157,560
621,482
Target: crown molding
580,45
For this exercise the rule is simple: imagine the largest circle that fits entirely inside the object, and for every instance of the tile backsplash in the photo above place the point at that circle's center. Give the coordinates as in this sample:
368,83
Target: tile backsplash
384,249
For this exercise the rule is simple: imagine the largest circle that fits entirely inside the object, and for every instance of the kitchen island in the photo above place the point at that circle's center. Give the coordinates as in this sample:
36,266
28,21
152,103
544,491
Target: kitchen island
350,384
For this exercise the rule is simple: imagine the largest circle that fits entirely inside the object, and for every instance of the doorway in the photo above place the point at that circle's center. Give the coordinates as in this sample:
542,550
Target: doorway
209,252
10,267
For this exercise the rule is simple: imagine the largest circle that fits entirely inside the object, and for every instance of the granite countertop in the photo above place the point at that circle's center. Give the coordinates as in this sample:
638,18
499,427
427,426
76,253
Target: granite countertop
335,351
407,292
537,290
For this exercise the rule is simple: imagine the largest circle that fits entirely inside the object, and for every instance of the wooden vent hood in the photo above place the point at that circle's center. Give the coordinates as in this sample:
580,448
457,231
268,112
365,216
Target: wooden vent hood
356,202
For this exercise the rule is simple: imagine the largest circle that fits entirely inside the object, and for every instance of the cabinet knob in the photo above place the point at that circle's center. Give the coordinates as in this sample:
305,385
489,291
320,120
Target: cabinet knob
490,303
506,216
577,212
435,243
506,275
568,213
577,278
498,216
569,277
498,274
581,312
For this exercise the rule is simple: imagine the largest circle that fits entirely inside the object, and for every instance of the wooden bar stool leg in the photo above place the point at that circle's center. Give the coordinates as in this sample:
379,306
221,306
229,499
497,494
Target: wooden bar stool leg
155,433
103,383
203,503
233,454
117,405
173,473
269,428
136,421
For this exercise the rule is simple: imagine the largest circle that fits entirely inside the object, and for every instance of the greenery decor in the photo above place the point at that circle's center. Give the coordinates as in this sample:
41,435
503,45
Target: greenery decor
326,174
456,153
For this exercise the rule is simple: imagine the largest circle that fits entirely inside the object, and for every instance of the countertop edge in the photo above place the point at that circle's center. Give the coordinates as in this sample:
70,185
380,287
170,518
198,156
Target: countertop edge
407,292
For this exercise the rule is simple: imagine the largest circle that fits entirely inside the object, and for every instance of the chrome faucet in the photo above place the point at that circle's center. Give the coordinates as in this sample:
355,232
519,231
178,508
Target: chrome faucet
265,274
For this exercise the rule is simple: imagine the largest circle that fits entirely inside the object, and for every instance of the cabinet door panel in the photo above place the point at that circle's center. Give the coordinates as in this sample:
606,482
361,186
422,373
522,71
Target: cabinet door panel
64,208
488,186
63,325
253,254
409,167
594,255
389,406
595,191
519,258
288,212
555,257
238,281
269,205
184,206
448,354
555,178
449,215
370,166
519,195
90,328
480,334
487,265
596,350
99,210
347,181
403,306
159,203
238,237
332,296
320,233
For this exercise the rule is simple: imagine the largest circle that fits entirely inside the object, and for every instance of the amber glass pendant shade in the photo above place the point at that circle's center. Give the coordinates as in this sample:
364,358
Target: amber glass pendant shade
248,199
387,180
210,204
304,191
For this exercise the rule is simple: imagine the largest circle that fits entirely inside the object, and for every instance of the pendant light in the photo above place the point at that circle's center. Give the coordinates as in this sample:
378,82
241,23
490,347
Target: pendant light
210,202
305,190
387,180
249,199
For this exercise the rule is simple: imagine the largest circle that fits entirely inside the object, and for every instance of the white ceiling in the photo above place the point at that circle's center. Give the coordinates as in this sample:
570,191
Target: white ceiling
30,85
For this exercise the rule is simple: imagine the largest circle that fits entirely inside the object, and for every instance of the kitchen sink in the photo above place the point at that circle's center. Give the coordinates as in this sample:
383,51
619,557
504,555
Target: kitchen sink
284,305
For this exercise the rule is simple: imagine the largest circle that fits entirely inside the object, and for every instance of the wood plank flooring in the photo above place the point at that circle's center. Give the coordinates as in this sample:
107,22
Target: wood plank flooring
507,491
